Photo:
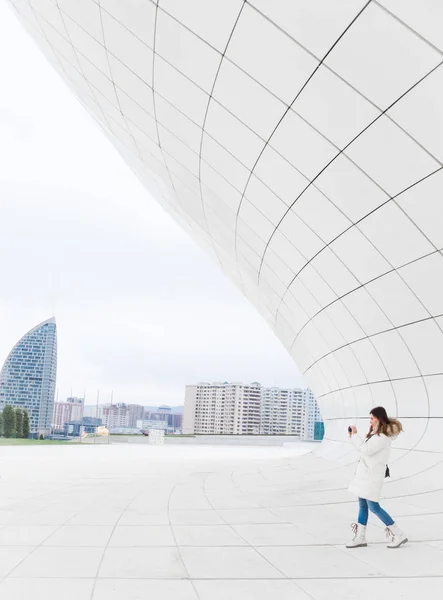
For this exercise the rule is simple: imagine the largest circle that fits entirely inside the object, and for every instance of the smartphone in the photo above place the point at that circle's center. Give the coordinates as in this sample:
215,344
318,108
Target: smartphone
349,429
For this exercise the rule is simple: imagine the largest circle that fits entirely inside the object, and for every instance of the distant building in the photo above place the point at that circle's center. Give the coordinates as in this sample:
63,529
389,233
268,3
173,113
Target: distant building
311,415
114,415
239,409
65,412
87,425
90,410
319,430
289,411
175,422
120,416
166,413
77,407
135,413
222,408
27,379
62,415
146,424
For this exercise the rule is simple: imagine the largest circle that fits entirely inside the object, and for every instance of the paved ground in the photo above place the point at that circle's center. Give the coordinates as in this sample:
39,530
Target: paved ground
134,522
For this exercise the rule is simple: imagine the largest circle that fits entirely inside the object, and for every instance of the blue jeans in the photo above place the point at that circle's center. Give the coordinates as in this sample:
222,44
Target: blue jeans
366,505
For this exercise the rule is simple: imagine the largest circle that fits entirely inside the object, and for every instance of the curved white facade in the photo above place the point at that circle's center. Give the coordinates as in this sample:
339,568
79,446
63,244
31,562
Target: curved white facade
301,144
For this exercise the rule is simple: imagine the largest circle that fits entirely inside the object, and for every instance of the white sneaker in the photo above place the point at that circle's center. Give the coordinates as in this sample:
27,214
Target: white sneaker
359,539
396,535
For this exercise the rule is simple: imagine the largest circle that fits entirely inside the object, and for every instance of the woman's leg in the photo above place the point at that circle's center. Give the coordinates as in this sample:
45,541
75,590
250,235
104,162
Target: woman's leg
359,529
378,511
363,512
398,538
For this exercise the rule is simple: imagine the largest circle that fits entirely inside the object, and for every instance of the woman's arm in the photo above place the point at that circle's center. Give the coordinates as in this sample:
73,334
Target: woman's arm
375,444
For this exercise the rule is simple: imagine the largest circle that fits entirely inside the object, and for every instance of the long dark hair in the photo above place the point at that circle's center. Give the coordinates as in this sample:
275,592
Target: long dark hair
388,425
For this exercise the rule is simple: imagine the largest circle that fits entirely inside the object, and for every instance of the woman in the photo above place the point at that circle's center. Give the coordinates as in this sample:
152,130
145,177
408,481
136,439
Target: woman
370,474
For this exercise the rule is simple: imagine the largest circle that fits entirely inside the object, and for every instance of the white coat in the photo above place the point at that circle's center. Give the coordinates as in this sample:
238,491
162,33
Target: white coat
370,473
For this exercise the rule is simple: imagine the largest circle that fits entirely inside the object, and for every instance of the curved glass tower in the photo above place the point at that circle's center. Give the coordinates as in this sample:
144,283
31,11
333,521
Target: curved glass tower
27,379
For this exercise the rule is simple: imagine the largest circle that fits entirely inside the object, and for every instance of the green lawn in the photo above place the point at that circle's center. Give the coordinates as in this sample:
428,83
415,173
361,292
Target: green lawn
21,442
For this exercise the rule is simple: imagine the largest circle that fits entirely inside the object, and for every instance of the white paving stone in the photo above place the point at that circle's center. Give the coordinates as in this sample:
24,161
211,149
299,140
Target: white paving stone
144,563
275,534
60,562
11,556
141,589
410,588
250,590
318,561
227,563
133,536
207,535
80,535
46,589
25,535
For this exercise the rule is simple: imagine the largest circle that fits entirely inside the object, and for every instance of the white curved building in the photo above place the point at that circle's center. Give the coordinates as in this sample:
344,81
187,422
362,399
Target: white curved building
28,376
300,143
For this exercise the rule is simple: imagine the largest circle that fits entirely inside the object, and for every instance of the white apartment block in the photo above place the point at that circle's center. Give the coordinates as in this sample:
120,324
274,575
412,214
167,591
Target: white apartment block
222,408
114,415
290,411
236,408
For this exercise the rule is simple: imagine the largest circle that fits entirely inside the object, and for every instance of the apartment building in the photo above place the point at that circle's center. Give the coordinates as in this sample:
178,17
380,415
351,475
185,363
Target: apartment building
222,408
289,411
249,409
114,415
135,413
65,412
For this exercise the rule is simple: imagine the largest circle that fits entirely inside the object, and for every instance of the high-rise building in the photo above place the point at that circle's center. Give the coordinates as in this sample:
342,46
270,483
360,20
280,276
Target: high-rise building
281,411
77,407
292,411
65,412
27,379
62,415
222,408
114,415
175,422
135,413
236,408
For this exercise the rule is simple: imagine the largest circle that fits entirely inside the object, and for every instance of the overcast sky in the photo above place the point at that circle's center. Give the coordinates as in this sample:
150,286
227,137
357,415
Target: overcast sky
140,309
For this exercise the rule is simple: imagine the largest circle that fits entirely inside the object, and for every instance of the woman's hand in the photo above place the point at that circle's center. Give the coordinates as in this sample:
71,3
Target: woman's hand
354,430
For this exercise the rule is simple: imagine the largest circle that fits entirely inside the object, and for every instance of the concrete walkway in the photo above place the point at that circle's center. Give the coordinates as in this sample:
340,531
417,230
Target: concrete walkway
130,522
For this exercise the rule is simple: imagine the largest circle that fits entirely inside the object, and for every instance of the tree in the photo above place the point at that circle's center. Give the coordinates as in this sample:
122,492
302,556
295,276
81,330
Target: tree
19,422
1,424
8,421
26,426
41,437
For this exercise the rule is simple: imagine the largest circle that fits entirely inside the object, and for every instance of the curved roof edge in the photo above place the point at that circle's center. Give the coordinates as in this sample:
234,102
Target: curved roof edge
51,320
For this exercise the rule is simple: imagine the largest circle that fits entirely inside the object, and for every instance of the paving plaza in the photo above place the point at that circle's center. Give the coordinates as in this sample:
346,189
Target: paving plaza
133,521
